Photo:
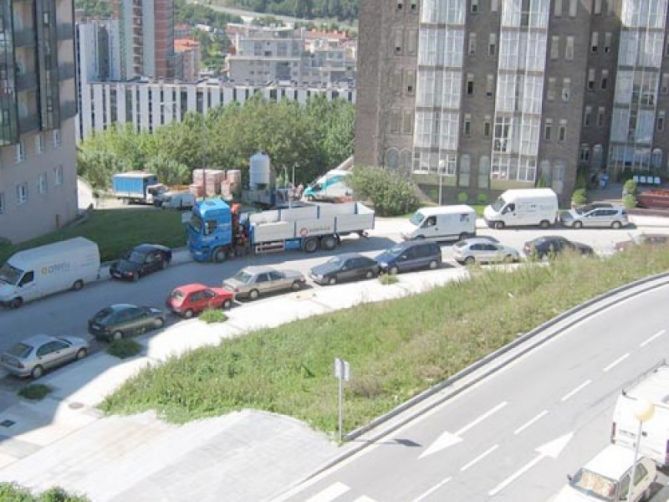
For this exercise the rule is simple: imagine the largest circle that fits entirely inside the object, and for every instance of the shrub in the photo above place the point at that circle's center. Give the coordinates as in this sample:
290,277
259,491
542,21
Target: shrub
579,197
630,188
11,492
463,197
390,193
482,198
629,201
213,315
387,279
35,391
124,348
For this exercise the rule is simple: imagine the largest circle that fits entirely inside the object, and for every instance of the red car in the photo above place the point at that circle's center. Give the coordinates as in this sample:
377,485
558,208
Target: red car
191,299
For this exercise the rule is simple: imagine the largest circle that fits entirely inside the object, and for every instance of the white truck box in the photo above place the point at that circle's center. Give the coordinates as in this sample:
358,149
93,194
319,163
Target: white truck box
652,386
44,270
442,223
523,207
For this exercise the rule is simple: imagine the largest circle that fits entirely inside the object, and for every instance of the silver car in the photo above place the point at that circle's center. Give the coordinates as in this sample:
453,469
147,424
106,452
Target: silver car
34,355
613,217
482,250
251,282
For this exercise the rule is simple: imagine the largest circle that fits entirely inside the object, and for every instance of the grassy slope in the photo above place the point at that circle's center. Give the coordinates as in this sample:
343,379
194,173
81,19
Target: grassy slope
396,348
115,231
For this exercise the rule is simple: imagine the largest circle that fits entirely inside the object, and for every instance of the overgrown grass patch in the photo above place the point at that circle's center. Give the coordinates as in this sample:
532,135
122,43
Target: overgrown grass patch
115,231
11,492
124,348
34,391
396,348
213,315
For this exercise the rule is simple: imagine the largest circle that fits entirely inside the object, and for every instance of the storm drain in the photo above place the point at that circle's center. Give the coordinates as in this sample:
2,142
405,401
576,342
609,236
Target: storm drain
7,423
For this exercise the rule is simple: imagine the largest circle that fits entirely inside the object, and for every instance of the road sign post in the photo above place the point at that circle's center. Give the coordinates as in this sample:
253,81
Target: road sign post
342,372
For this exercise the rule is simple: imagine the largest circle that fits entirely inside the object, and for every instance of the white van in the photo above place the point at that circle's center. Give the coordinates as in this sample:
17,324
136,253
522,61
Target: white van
34,273
442,223
523,206
652,386
176,200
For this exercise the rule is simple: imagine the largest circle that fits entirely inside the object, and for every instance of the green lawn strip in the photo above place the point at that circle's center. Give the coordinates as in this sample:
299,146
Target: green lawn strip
12,492
115,231
396,348
124,348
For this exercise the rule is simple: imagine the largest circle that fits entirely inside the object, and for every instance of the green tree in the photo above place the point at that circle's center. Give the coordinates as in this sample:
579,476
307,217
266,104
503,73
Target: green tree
391,194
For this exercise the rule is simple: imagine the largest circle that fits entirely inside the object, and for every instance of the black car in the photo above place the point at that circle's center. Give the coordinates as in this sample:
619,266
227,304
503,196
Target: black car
344,267
141,260
122,320
552,245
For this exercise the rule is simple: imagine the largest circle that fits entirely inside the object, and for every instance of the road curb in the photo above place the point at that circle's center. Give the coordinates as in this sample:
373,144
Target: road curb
462,374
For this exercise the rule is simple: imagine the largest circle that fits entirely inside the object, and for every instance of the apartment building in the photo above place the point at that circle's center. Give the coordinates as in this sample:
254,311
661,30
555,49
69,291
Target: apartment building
150,104
38,186
187,59
146,29
478,96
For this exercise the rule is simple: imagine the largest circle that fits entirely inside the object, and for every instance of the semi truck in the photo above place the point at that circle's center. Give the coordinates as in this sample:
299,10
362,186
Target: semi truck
137,187
217,231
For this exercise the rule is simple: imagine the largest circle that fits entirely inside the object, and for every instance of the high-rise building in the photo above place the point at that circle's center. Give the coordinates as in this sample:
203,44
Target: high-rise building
187,59
478,96
38,178
146,29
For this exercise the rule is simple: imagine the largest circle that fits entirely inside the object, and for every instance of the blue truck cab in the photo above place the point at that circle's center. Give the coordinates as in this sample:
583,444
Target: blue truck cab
210,230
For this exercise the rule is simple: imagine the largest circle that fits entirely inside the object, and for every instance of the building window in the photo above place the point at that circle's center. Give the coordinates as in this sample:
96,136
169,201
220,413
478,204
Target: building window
492,44
607,42
569,49
20,151
557,8
56,138
21,193
395,121
467,126
486,126
398,41
597,8
494,5
548,129
489,85
566,89
605,79
573,4
660,120
407,123
471,45
601,116
555,47
400,4
664,87
42,183
609,7
587,116
58,172
470,84
39,143
585,152
474,6
410,82
594,42
656,158
464,171
550,93
412,42
591,79
414,5
562,131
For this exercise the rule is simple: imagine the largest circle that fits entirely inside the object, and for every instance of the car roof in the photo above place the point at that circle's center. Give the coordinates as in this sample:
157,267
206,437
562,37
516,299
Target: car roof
122,306
190,288
612,462
145,248
36,340
346,256
479,240
550,238
258,269
435,210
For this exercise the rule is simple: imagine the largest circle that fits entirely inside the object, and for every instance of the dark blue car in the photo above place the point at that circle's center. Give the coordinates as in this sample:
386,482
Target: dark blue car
410,255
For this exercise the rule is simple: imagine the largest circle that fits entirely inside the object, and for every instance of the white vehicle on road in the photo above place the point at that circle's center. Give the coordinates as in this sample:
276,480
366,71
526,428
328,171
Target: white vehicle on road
523,207
41,271
442,223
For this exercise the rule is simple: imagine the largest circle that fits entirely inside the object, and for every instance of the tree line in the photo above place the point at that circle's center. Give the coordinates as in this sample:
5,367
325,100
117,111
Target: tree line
307,9
313,138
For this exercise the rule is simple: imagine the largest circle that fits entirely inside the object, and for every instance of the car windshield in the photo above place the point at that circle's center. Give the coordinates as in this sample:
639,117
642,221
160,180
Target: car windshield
566,215
593,484
10,274
20,350
335,260
417,218
103,314
460,244
196,223
499,204
135,257
395,250
243,277
177,294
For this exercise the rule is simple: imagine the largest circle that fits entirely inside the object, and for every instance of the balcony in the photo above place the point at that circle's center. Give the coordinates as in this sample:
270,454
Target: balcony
65,31
65,71
26,81
68,109
28,123
24,38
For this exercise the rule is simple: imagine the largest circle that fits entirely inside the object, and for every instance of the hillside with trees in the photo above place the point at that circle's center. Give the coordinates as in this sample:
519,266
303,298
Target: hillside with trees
344,10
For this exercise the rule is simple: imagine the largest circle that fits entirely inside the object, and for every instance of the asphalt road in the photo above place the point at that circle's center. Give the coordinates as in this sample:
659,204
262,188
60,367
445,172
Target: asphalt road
514,436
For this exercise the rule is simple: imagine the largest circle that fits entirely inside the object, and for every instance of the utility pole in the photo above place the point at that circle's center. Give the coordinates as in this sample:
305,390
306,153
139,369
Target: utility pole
342,371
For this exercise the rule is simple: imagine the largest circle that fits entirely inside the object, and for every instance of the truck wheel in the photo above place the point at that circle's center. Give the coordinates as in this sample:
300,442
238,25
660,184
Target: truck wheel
78,285
37,372
311,245
329,242
545,224
16,303
498,225
220,255
254,294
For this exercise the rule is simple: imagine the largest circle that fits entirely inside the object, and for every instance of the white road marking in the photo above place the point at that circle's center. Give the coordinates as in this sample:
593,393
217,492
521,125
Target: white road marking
616,362
576,390
330,493
551,449
654,337
432,490
479,458
530,422
480,419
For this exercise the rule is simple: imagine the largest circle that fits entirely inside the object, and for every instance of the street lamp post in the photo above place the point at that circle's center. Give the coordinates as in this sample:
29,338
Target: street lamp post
643,411
441,178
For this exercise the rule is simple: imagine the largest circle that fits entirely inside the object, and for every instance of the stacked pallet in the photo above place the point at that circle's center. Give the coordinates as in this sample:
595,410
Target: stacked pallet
232,185
196,189
212,181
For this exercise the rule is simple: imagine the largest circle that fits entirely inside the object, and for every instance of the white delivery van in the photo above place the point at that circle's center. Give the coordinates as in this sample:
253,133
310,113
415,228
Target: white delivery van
442,223
176,200
652,386
523,206
34,273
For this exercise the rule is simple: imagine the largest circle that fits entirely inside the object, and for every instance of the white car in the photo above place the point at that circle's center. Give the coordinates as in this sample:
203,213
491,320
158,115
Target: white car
594,216
483,250
606,478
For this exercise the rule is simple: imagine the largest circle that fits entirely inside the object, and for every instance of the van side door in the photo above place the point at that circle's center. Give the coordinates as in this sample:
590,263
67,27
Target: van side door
27,287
